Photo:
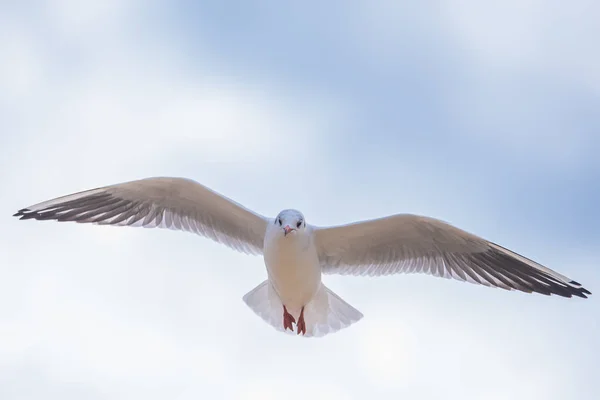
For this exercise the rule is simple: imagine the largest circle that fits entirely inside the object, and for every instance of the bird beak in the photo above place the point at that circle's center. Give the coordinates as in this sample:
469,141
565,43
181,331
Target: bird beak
287,230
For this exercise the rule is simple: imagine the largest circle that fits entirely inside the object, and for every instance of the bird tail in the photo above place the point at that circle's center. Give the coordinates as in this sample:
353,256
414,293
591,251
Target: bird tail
325,313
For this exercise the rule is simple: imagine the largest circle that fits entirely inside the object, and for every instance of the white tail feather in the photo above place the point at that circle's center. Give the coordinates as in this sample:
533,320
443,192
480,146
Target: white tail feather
325,313
263,300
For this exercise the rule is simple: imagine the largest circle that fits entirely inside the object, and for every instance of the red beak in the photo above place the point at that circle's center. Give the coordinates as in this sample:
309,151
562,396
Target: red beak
287,229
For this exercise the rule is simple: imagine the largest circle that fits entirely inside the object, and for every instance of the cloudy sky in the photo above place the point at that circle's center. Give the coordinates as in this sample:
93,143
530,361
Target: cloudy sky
485,116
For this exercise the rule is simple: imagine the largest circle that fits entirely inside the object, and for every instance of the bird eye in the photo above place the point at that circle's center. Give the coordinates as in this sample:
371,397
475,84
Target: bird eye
298,224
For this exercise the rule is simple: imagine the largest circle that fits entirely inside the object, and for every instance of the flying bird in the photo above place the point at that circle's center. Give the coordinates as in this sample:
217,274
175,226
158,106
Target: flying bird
296,254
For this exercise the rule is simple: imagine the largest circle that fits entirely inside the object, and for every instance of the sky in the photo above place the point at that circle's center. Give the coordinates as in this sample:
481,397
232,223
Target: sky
484,116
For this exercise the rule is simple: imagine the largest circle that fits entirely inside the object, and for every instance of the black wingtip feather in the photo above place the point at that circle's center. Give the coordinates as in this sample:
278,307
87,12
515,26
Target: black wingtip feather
27,214
22,211
537,280
582,290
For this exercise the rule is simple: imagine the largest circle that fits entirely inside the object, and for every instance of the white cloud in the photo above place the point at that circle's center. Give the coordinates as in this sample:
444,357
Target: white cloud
274,389
516,59
20,65
506,34
513,47
554,39
512,117
158,314
388,352
125,111
125,316
77,18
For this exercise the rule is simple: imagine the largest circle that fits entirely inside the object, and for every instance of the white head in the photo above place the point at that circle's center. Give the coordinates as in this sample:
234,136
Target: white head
290,222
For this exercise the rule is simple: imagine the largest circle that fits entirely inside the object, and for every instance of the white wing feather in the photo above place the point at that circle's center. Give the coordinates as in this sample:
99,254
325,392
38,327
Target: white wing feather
406,243
160,202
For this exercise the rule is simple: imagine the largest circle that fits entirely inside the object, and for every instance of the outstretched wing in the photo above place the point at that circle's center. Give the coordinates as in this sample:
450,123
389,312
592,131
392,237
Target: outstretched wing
173,203
406,243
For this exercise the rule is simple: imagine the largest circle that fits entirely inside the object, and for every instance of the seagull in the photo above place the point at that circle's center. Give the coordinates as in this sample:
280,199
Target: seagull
296,254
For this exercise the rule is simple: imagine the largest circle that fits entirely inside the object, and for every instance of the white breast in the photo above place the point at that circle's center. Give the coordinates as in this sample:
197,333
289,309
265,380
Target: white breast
293,267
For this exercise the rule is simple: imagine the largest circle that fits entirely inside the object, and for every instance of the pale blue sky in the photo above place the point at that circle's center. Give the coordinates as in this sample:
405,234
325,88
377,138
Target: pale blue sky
484,116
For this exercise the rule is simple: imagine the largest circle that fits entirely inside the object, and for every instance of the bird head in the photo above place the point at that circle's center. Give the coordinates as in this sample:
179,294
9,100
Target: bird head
290,222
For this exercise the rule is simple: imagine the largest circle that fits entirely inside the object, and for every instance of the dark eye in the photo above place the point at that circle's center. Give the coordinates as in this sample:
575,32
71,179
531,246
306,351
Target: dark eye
279,220
298,224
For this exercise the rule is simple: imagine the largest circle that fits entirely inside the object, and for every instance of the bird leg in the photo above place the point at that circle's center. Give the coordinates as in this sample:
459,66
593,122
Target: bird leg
288,320
301,324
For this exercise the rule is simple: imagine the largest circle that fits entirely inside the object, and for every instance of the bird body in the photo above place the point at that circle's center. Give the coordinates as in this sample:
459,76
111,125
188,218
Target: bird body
292,266
297,254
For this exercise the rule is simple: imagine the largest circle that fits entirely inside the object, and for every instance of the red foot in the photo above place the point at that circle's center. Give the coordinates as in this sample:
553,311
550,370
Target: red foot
301,325
288,320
